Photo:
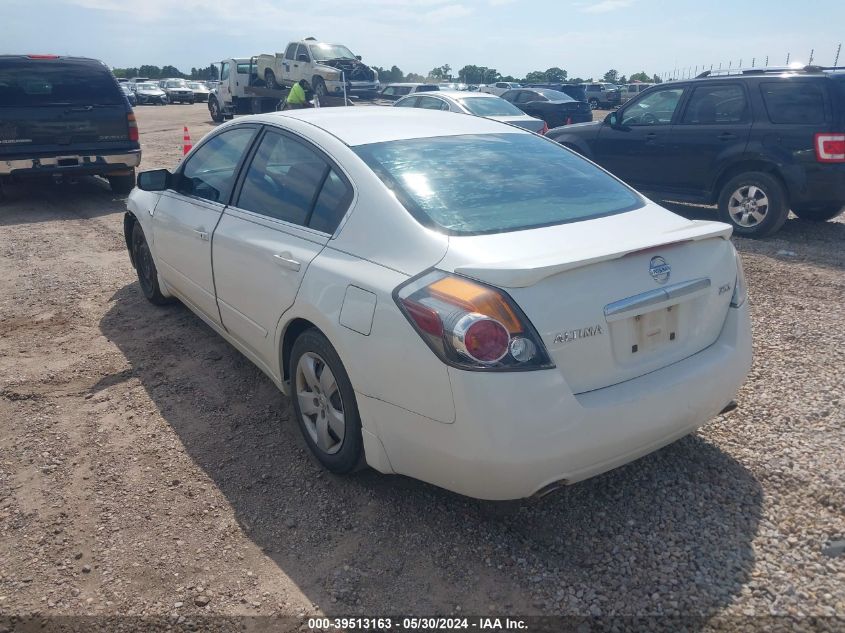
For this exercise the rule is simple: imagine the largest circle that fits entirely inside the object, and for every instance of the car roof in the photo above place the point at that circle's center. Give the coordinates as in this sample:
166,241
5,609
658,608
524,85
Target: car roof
408,83
363,125
462,94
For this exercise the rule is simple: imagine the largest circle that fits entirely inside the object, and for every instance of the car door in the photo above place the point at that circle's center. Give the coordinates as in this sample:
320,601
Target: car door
636,148
301,68
712,130
185,217
289,201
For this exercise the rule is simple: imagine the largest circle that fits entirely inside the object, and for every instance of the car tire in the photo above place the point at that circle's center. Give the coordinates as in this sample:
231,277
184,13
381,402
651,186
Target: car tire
320,89
819,214
319,399
753,203
215,111
594,104
270,80
123,184
146,269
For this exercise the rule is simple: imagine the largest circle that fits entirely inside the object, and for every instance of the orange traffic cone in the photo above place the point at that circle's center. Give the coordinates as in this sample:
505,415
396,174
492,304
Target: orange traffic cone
186,142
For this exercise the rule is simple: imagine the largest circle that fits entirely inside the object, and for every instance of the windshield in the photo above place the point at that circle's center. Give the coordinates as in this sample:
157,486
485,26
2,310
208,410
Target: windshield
554,95
481,106
323,52
146,86
471,184
195,86
176,84
32,83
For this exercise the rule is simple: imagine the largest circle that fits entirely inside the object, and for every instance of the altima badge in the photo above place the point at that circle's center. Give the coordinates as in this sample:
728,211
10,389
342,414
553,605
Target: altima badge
574,335
659,269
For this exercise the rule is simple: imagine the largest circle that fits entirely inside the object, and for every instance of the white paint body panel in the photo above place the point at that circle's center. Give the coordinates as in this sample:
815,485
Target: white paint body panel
500,435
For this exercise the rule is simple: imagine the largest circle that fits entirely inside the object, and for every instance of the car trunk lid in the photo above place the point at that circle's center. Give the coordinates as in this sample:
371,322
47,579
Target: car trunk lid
525,122
610,309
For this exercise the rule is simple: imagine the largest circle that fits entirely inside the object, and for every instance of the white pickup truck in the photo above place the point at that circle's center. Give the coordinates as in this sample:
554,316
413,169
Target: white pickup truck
323,66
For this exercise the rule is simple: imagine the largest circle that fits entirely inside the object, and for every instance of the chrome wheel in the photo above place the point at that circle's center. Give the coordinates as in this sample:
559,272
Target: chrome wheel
320,403
748,205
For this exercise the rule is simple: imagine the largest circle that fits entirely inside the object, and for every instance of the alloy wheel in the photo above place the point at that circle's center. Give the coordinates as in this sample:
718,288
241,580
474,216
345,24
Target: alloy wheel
320,403
748,205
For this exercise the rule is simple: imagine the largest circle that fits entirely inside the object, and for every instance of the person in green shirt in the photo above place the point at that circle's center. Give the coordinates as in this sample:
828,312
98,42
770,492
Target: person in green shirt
296,97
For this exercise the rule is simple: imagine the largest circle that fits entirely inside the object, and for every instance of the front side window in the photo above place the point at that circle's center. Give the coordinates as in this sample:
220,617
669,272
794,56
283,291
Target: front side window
224,72
283,180
409,102
210,171
303,50
712,104
792,101
403,90
290,53
657,108
471,184
525,97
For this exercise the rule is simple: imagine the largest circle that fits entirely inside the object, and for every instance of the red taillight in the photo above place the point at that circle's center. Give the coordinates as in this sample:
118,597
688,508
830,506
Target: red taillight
482,339
133,127
471,325
43,56
545,129
830,148
425,318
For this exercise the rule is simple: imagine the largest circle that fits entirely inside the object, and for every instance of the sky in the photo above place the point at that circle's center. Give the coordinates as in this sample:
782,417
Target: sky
584,37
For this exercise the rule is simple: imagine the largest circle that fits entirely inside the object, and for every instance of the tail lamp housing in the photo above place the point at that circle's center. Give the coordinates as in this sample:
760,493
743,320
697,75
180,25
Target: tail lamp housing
830,148
470,325
132,126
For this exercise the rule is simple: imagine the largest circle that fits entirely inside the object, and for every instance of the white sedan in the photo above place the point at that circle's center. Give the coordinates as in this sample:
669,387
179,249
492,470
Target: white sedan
448,297
475,103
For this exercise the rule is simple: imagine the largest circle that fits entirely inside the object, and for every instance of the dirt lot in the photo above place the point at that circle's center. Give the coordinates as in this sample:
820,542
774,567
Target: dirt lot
147,468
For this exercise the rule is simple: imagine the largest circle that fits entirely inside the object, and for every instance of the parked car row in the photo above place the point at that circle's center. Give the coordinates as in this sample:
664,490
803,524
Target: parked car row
164,91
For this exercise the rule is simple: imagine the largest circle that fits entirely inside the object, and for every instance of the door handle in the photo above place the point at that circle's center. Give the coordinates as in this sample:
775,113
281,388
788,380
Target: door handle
727,136
202,234
286,261
650,136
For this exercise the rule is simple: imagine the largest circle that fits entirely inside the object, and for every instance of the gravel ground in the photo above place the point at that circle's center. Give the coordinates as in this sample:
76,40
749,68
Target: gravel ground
148,469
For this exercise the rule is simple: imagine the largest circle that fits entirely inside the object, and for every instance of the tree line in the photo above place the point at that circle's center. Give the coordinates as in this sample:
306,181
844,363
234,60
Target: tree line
469,74
155,72
472,74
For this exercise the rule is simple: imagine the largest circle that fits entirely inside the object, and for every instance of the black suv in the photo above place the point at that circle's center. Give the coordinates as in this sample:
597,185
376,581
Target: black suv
758,144
65,116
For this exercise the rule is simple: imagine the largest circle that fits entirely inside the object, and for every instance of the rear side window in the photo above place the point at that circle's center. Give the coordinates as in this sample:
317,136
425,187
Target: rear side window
712,104
794,101
332,204
290,53
46,82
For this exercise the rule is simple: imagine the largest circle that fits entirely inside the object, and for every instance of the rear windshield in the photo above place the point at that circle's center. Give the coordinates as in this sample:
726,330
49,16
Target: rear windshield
471,184
481,106
794,101
32,82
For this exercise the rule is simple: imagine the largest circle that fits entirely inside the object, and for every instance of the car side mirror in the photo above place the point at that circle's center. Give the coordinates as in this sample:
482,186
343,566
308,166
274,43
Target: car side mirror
358,57
613,119
155,180
302,58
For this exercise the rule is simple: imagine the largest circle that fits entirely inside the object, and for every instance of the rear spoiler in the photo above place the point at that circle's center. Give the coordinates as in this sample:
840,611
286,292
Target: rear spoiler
522,273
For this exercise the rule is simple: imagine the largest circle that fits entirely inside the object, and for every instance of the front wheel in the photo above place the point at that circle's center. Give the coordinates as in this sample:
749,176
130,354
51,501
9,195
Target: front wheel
270,80
146,268
821,213
320,89
754,203
214,111
594,104
324,403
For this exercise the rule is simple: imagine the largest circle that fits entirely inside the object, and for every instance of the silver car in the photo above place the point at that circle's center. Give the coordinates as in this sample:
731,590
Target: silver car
201,91
476,103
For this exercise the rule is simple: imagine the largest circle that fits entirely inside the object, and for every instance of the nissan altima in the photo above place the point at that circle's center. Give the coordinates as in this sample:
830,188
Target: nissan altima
448,297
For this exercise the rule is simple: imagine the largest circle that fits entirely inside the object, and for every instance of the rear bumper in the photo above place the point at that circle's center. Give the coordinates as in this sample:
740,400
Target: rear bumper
517,433
819,184
71,163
